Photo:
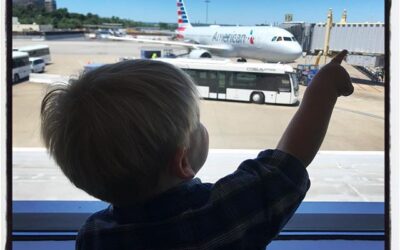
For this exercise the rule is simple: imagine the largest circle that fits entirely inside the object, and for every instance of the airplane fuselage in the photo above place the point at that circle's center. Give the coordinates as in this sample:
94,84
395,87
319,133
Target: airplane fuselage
247,42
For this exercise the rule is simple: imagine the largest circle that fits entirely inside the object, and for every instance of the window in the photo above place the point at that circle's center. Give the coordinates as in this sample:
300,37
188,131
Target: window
191,73
19,62
293,77
243,80
39,61
348,168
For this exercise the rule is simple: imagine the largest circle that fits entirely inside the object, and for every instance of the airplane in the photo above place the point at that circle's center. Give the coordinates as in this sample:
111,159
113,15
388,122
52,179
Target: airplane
268,44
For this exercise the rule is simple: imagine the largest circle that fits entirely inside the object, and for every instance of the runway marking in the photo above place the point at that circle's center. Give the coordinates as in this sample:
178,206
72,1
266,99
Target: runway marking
361,113
359,86
376,89
357,192
37,176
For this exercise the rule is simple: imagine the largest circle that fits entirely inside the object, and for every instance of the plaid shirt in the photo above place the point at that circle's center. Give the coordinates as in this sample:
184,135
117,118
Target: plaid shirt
244,210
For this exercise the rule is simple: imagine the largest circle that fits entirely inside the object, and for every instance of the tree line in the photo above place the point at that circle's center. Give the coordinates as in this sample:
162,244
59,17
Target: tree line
62,19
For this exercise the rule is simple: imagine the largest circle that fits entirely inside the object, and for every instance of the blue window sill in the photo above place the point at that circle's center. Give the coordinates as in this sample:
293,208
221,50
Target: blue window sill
60,221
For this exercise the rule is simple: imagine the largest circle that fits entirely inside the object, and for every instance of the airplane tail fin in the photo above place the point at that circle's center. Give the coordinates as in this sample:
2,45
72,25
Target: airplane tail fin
183,19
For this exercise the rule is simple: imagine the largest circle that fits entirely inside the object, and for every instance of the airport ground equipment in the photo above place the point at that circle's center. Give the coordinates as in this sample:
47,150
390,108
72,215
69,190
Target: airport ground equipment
40,50
20,66
152,53
259,83
306,72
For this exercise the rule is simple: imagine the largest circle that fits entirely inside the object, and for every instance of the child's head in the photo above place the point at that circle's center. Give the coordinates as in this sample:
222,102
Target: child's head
126,131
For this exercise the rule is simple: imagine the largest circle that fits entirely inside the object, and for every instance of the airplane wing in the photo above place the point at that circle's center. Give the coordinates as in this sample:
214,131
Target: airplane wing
183,44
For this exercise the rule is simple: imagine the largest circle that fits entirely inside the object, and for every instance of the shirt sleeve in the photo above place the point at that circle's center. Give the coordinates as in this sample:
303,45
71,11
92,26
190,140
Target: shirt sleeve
262,194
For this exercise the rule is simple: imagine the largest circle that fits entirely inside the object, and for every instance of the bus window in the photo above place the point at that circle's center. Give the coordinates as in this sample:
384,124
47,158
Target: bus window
202,78
212,75
283,83
243,80
191,73
269,82
295,82
221,80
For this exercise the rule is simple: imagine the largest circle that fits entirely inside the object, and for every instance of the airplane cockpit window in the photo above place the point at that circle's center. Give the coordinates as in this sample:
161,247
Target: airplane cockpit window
250,89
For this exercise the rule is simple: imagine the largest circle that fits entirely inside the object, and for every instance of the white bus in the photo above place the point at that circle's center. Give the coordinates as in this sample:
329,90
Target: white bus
41,51
250,82
21,66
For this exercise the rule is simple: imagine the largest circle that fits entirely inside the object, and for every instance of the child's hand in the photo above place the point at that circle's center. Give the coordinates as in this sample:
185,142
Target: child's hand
335,76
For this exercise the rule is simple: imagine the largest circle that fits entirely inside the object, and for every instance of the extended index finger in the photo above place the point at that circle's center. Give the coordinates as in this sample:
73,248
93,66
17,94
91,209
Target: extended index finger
339,57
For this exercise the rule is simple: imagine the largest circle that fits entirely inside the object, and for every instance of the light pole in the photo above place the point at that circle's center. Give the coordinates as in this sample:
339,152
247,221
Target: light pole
207,2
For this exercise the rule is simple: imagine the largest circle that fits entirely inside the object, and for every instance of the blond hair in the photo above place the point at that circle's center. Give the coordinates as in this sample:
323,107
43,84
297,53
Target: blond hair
114,130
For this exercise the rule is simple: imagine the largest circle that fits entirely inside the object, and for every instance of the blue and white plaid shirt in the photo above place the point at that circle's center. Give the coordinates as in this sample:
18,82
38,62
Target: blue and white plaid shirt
244,210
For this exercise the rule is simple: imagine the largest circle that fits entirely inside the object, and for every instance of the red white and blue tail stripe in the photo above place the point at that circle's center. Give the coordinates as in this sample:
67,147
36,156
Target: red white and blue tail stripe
183,19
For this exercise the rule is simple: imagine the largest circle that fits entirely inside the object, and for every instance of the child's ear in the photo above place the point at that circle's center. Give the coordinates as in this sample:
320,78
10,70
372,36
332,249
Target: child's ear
180,165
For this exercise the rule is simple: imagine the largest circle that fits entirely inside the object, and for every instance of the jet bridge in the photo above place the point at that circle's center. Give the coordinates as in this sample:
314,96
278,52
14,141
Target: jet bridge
364,41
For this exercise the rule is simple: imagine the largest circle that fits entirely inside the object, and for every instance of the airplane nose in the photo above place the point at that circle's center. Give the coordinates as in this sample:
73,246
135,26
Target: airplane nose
296,51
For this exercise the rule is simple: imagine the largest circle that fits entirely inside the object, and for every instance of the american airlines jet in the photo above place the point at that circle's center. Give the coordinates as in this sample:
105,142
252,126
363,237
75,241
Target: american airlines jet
268,44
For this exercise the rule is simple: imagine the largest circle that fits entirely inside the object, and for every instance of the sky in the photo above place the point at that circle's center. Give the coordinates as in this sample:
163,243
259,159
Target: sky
239,12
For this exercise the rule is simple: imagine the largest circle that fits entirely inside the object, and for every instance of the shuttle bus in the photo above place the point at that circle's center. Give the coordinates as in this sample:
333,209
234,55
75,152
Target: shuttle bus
21,67
250,82
41,51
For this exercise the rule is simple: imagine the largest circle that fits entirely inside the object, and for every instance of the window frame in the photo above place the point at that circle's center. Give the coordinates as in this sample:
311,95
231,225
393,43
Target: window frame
61,220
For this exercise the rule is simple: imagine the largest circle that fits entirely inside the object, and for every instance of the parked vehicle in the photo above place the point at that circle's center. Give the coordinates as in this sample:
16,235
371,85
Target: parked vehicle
37,64
20,66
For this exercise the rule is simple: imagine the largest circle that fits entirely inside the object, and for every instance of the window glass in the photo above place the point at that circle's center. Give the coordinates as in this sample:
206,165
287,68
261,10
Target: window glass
191,73
284,83
212,75
295,81
243,80
36,62
350,163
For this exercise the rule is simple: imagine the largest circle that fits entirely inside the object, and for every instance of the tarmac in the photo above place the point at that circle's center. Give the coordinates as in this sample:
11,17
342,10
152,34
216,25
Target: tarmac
355,134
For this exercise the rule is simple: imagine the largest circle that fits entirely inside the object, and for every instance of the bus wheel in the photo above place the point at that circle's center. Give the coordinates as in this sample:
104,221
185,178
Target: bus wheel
16,78
257,97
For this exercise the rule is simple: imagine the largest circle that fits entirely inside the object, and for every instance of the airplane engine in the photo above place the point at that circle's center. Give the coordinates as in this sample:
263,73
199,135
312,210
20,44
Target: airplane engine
199,53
